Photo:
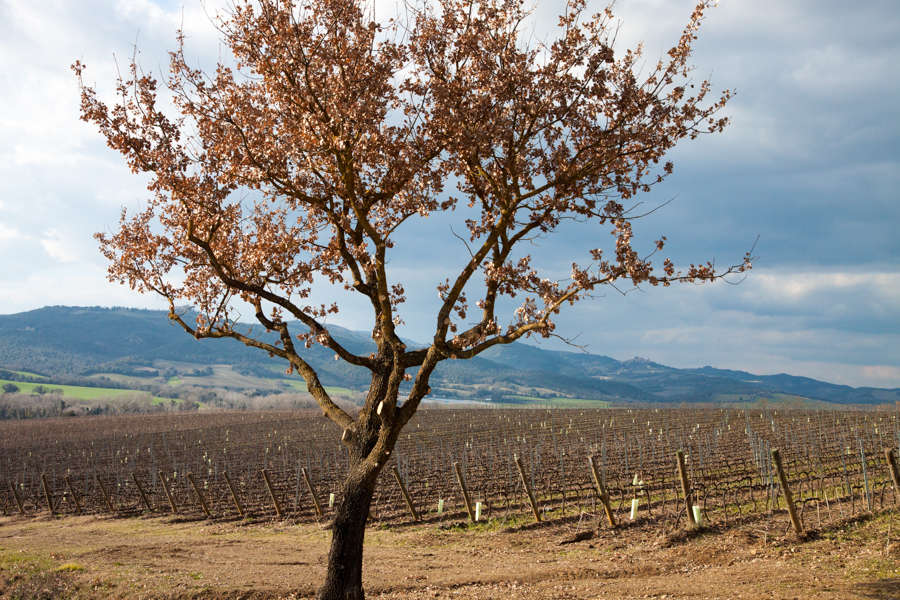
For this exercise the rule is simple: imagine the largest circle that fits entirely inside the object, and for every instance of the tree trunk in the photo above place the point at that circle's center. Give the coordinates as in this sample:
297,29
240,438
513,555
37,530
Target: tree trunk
343,578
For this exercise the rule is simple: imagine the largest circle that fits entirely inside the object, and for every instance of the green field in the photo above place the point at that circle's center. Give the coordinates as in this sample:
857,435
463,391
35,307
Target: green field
780,401
223,376
117,377
78,392
564,402
774,401
27,374
300,386
328,388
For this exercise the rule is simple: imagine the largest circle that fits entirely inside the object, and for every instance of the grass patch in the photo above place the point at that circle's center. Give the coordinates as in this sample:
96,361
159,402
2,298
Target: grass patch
779,402
21,562
8,559
79,392
581,402
331,389
27,374
31,575
69,568
72,391
118,377
300,386
226,376
561,401
776,401
155,401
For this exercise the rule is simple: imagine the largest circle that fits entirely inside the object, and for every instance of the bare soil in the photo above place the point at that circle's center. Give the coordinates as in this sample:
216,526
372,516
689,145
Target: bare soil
175,558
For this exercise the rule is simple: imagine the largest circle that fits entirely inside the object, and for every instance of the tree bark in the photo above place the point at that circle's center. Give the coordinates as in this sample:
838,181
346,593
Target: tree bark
343,578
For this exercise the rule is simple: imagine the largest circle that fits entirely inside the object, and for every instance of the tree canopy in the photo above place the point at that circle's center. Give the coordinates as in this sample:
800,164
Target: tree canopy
330,132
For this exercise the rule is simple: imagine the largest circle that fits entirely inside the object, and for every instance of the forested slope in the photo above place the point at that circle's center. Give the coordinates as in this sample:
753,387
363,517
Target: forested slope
69,341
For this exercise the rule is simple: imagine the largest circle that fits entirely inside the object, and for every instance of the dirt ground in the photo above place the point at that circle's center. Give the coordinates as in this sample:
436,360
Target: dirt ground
161,557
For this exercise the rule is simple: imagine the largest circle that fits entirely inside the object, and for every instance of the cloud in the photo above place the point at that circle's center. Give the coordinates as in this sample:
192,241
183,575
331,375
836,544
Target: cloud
57,247
834,326
66,287
875,375
8,233
851,301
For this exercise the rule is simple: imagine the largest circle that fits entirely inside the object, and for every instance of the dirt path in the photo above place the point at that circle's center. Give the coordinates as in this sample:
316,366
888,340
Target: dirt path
91,557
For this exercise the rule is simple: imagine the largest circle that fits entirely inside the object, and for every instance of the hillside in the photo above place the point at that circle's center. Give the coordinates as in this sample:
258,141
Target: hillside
88,340
142,345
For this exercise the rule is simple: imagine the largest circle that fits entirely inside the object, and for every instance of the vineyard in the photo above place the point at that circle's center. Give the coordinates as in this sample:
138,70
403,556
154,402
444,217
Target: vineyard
516,465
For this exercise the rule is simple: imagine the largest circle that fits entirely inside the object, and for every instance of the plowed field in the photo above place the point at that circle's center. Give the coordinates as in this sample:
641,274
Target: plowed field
179,558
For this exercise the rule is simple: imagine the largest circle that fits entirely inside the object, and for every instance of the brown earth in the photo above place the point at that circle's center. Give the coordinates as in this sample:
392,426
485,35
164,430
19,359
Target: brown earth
100,557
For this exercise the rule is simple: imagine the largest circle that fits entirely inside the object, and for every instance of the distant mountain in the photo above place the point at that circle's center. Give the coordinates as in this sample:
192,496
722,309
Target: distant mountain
132,342
85,340
659,380
805,386
671,384
490,375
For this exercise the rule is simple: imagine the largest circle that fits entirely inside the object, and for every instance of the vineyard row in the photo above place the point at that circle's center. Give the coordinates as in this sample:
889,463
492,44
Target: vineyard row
514,463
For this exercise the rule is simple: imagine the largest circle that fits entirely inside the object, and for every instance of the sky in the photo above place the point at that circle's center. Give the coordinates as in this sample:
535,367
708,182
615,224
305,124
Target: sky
810,165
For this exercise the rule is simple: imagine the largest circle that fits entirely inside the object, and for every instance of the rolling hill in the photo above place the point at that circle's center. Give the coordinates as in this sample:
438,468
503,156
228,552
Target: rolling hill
142,345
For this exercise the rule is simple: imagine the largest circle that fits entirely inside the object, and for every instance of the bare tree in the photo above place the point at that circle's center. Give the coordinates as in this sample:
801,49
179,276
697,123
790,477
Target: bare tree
333,132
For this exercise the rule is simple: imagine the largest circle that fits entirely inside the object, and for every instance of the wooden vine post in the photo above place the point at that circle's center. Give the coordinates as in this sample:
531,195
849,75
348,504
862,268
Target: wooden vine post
47,494
168,493
312,491
200,497
141,491
15,494
465,491
409,502
109,504
601,490
686,489
234,495
74,497
534,505
862,460
892,467
265,473
788,497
